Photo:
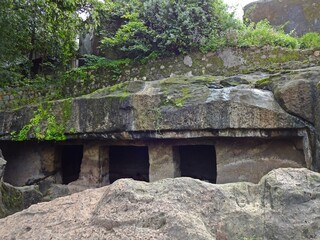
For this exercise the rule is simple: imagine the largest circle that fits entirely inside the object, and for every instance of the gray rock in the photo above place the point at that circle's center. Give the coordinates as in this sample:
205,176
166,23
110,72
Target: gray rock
298,93
174,104
2,167
14,199
187,60
233,81
298,16
284,205
298,97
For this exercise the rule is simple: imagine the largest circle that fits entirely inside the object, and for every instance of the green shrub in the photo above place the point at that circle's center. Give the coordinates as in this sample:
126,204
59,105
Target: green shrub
263,33
93,67
166,27
310,40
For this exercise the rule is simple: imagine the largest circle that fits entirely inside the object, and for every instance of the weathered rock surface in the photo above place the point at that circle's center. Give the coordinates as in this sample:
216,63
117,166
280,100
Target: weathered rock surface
298,92
225,62
2,166
262,105
173,104
298,16
241,160
284,205
14,199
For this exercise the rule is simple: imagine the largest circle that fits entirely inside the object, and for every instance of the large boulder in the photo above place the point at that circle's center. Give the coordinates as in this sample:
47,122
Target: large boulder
298,16
284,205
298,92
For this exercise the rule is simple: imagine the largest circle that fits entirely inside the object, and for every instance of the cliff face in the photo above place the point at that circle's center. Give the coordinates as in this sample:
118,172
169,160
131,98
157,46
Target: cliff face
298,16
168,119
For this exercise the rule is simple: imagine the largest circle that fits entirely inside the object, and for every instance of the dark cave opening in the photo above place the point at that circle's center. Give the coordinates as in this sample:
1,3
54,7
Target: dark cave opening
71,159
128,162
198,161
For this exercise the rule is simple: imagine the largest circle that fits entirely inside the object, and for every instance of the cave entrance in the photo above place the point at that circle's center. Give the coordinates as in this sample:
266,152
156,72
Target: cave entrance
128,162
198,161
71,159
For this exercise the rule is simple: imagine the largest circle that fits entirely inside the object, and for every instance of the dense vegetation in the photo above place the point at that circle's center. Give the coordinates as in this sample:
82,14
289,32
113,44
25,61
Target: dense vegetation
138,28
45,30
43,33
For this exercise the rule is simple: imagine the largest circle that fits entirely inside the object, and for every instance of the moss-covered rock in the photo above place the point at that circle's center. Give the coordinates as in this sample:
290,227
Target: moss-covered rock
14,199
225,62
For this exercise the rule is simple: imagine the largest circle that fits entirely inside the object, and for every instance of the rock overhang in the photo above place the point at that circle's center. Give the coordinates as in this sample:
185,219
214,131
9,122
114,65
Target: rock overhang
173,104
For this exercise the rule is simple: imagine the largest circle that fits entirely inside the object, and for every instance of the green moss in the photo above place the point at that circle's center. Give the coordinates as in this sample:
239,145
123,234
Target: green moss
180,101
271,60
184,79
176,98
284,57
150,119
11,199
263,83
177,91
116,89
124,95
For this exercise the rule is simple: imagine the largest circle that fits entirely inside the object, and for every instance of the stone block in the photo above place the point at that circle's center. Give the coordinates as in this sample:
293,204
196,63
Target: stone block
162,162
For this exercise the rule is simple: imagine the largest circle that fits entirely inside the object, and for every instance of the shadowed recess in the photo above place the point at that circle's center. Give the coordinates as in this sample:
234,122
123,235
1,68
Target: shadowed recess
198,161
129,162
71,158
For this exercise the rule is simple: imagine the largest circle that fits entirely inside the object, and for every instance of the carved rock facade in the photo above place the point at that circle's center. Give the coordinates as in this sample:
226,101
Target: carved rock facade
220,129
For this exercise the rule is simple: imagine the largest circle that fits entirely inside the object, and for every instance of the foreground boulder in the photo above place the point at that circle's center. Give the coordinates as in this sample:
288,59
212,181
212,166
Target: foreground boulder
284,205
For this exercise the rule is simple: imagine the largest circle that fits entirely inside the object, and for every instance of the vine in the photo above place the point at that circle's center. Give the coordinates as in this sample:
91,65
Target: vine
43,126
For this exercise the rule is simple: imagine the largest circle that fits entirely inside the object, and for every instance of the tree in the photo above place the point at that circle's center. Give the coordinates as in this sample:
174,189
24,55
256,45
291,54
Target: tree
139,27
43,29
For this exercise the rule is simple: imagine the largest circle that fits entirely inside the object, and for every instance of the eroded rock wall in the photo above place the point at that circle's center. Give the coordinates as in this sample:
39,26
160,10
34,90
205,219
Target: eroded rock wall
249,160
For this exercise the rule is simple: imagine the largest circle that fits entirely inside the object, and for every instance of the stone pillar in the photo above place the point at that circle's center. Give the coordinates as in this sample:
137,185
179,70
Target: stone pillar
93,165
104,167
2,166
49,160
162,162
